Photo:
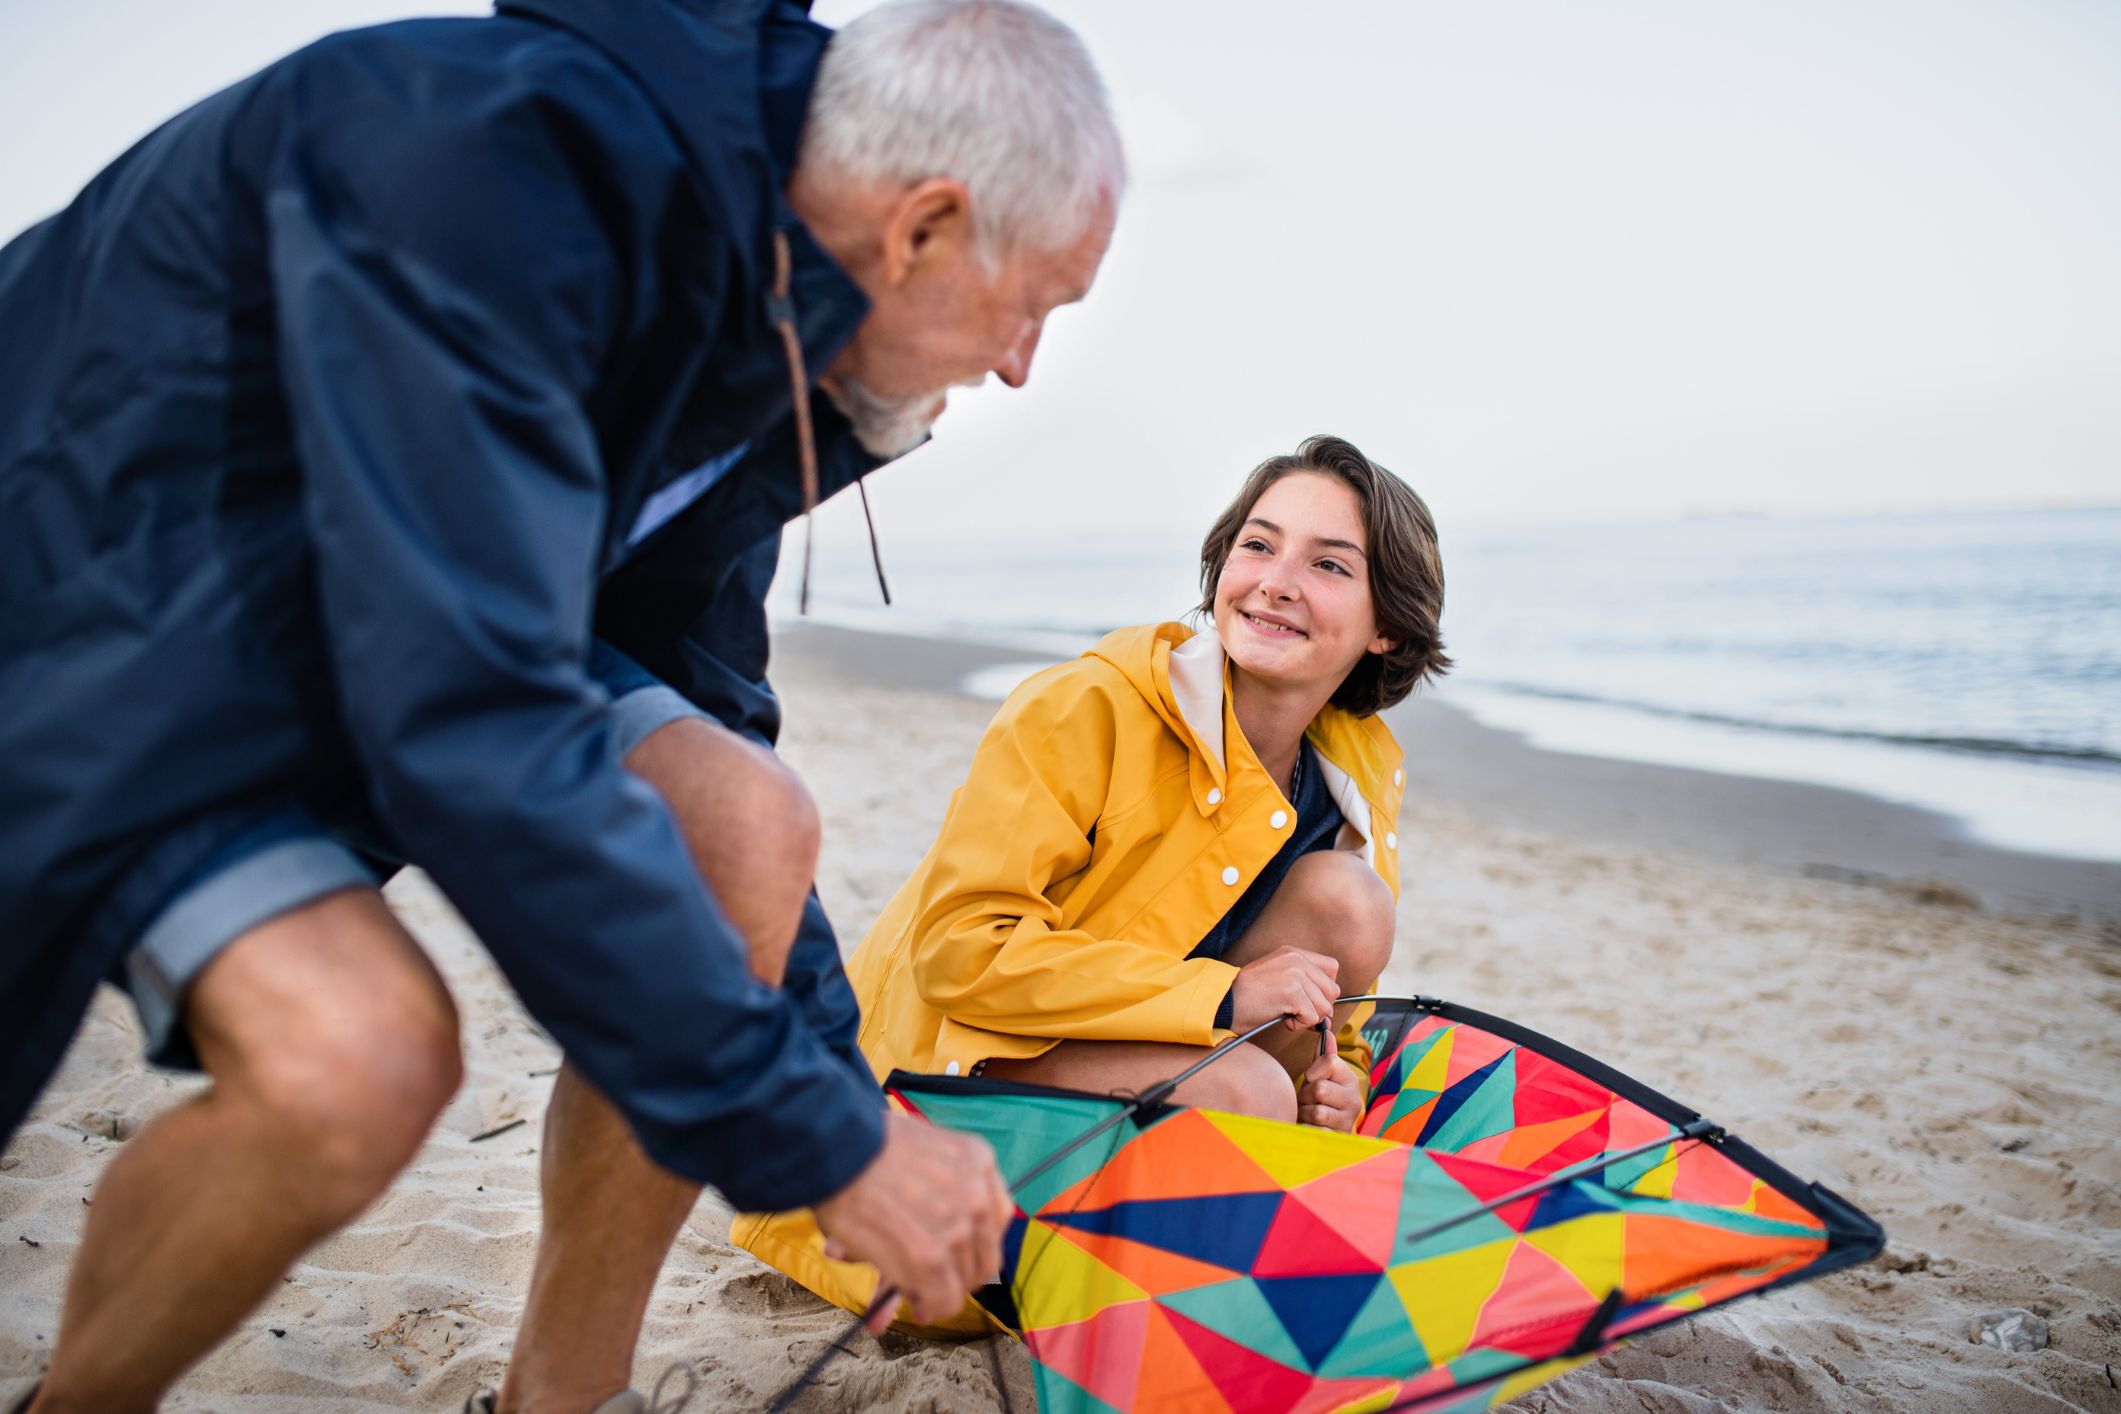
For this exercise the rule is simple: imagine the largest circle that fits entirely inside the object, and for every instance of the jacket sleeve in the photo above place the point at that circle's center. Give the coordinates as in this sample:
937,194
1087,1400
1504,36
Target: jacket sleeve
444,295
990,949
718,663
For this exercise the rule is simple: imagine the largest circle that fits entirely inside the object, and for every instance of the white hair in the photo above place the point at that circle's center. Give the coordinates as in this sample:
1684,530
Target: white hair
996,94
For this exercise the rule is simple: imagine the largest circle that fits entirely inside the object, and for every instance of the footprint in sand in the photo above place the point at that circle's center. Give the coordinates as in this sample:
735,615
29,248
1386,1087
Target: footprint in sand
766,1294
35,1156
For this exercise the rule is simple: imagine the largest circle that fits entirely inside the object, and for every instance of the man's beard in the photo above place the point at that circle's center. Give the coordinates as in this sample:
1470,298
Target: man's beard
886,427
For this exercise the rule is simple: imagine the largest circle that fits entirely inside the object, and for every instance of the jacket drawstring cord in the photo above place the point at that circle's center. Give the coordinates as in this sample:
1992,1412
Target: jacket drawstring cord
876,554
780,308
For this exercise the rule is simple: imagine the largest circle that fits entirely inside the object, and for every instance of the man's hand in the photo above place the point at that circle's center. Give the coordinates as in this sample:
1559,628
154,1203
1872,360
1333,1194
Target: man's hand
929,1212
1287,981
1331,1096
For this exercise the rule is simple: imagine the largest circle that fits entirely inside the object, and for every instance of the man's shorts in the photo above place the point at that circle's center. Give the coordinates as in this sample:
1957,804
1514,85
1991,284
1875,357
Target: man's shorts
289,858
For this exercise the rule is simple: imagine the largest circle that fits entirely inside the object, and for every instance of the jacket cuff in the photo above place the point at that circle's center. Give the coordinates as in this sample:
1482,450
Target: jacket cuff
821,1137
1208,1008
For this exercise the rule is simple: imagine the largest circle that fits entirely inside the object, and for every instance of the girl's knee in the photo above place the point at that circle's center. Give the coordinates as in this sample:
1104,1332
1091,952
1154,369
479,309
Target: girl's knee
1353,911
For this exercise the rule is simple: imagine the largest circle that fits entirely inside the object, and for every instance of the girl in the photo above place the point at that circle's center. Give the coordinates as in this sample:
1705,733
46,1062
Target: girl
1177,836
1182,833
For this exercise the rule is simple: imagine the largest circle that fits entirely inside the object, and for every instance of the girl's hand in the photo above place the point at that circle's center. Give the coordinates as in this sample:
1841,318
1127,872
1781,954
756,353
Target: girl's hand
1331,1097
1286,982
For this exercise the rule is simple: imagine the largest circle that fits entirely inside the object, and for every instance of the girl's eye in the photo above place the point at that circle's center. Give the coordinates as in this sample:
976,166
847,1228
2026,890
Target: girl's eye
1334,565
1255,543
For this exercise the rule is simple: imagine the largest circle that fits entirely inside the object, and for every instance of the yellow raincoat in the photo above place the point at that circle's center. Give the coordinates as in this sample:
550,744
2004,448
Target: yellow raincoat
1113,813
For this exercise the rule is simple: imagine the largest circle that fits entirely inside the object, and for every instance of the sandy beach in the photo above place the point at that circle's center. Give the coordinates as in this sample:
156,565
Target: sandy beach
1929,1027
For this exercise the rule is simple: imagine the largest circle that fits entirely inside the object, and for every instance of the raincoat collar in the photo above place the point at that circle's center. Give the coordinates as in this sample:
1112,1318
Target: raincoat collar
1191,679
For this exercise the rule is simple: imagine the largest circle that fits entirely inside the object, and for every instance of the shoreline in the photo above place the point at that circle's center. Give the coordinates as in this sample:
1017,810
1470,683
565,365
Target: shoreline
1786,827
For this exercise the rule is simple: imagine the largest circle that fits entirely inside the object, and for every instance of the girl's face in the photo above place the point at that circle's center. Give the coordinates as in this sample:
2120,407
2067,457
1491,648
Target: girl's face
1293,605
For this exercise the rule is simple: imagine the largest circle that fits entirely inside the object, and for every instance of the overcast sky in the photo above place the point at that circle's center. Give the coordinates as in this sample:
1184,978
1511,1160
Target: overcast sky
1548,260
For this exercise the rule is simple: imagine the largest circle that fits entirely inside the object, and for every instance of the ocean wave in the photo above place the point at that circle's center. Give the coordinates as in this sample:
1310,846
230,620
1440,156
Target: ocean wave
2087,756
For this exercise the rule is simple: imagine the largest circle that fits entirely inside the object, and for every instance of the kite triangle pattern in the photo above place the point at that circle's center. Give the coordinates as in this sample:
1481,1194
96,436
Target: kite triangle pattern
1172,1377
1292,1154
1525,1146
1361,1202
1473,1049
1302,1244
1224,1234
1549,1090
1379,1341
1057,1394
1475,1107
1239,1310
1245,1378
1153,1269
1541,1306
1594,1249
1185,1156
1444,1295
1426,1064
1317,1311
1072,1285
1101,1355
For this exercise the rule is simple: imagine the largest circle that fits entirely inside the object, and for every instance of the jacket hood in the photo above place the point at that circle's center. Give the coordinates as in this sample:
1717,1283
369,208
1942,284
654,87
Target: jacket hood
738,137
1183,675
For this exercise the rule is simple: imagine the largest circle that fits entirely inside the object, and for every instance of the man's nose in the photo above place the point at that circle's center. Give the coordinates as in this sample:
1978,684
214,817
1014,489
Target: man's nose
1015,366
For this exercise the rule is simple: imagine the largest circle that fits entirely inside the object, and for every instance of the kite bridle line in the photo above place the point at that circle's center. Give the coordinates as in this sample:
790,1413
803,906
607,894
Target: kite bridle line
1698,1130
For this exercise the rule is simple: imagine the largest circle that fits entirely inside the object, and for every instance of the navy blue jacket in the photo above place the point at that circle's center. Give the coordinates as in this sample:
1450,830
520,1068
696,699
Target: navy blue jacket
325,412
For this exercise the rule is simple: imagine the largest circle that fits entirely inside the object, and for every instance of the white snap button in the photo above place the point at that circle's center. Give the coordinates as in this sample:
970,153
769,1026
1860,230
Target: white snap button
950,1069
1230,875
1278,819
1391,841
1215,795
1399,778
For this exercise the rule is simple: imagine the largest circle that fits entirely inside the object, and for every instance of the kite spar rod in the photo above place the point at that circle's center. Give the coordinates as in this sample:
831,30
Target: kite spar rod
1698,1129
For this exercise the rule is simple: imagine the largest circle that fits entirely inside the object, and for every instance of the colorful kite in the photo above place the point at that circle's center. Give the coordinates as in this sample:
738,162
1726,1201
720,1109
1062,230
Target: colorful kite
1509,1210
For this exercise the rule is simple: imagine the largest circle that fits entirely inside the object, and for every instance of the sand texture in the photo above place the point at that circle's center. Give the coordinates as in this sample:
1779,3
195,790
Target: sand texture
1955,1072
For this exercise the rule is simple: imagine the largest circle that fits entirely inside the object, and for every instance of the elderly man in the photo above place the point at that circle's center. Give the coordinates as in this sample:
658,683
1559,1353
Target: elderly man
393,453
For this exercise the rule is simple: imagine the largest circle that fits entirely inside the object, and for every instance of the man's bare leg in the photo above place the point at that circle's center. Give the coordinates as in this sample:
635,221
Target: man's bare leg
332,1047
611,1212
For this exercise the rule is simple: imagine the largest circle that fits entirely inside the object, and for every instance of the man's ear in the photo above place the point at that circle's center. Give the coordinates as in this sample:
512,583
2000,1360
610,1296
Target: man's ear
929,227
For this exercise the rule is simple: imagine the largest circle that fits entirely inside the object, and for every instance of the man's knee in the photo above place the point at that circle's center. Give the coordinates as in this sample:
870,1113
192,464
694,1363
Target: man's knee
1354,910
1247,1081
341,1046
787,817
732,793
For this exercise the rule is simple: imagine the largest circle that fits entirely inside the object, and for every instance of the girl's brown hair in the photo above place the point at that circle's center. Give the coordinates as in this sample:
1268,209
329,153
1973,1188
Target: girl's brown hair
1406,568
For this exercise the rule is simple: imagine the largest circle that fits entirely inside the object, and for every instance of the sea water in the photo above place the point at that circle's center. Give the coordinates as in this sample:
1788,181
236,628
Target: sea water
1969,663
